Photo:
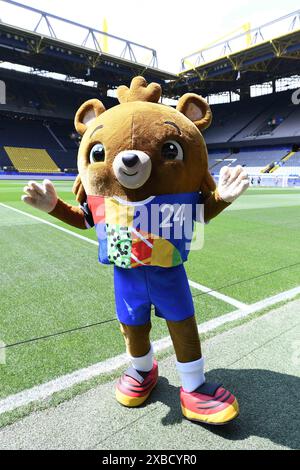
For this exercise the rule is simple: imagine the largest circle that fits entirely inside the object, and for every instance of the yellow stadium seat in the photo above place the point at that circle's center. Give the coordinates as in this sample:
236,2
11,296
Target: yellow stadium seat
28,160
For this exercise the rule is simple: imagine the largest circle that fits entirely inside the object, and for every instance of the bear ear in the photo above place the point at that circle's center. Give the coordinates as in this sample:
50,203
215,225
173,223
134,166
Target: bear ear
87,113
79,191
195,108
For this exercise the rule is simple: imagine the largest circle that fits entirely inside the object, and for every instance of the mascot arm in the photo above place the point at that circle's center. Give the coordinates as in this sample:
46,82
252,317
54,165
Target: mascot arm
232,183
213,205
44,197
72,215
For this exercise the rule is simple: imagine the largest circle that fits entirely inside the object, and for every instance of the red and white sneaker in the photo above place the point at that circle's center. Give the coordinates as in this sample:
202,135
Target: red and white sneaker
210,403
134,387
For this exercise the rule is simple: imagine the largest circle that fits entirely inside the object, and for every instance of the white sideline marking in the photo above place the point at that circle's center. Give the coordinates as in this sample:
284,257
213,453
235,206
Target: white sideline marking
225,298
62,229
46,390
218,295
248,309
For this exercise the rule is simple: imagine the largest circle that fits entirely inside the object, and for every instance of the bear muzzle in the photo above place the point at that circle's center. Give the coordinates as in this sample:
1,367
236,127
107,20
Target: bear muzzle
132,168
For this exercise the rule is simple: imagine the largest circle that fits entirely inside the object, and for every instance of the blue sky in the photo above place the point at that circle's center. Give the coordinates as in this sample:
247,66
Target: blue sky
171,27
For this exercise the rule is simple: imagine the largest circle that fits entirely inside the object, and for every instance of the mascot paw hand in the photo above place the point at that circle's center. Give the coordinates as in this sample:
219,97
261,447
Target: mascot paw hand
41,196
232,183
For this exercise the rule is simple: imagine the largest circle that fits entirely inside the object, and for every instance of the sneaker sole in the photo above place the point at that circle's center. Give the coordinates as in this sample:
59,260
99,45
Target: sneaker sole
217,419
132,402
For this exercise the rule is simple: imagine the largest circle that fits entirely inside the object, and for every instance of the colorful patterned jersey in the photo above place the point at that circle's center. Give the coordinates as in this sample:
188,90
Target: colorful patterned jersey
155,232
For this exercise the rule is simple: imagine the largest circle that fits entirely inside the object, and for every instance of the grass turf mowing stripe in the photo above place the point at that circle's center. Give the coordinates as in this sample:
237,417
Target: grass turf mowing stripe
46,390
197,286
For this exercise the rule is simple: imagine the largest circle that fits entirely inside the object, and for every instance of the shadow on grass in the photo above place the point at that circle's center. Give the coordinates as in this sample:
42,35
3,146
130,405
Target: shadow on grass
269,405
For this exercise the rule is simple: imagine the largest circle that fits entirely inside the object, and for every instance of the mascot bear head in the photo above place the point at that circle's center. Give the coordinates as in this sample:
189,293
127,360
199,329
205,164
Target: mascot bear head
141,147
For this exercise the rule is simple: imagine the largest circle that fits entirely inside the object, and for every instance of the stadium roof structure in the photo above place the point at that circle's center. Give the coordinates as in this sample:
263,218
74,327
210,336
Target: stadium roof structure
84,59
224,66
229,65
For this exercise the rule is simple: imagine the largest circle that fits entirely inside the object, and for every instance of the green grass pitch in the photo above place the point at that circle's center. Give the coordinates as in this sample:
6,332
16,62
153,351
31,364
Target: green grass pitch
51,282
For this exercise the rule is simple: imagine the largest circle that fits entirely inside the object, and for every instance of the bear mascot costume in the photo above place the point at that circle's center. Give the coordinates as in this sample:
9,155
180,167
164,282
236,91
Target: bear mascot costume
143,181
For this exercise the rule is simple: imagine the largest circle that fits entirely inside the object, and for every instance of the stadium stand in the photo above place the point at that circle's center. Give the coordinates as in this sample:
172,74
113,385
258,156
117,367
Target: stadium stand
31,160
261,133
36,95
268,117
229,119
274,121
66,161
24,132
290,126
39,113
55,138
254,157
261,160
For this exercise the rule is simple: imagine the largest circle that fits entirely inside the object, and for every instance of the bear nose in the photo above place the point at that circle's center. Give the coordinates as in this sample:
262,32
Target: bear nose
130,159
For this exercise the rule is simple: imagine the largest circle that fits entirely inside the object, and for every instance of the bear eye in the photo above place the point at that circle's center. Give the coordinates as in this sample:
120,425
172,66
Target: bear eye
97,153
172,150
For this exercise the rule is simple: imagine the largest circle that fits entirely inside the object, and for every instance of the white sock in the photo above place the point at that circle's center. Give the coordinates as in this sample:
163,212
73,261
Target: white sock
191,374
143,363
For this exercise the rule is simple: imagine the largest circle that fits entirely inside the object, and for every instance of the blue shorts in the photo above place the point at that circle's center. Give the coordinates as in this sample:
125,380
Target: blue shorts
138,288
